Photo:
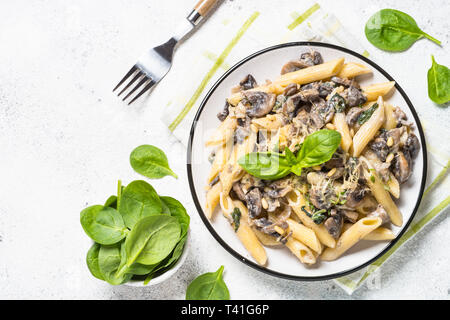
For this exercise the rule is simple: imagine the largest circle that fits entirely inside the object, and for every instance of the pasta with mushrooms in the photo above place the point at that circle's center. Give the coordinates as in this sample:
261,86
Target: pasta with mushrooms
322,201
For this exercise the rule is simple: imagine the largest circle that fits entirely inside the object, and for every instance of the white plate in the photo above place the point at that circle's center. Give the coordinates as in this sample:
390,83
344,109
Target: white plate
266,64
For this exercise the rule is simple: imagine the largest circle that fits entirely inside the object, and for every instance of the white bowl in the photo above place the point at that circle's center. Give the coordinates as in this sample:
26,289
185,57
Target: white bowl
166,275
266,64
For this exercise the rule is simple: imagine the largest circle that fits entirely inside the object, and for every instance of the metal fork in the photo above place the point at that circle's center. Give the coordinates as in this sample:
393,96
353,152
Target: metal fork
152,66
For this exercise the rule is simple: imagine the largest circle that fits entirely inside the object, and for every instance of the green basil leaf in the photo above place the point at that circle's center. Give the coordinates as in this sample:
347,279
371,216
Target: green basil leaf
438,83
265,165
103,224
318,148
152,239
290,157
208,286
393,30
151,162
138,200
92,261
177,210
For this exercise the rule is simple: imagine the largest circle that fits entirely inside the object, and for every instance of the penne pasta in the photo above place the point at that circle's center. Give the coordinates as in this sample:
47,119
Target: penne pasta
302,252
368,129
353,69
219,162
350,237
390,121
244,232
212,199
381,194
342,127
296,201
379,234
374,91
304,235
223,133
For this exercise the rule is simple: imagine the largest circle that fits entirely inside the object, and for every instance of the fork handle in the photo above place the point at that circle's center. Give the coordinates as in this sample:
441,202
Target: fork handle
201,9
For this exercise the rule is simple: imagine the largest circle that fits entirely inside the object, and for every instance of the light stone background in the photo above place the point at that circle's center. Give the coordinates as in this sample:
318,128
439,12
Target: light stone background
65,140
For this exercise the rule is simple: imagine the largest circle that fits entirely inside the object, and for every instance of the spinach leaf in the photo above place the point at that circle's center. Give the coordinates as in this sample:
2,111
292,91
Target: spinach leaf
236,215
438,83
177,210
208,286
151,162
92,261
103,224
167,263
109,261
366,114
138,200
317,148
393,30
111,202
265,165
338,102
152,239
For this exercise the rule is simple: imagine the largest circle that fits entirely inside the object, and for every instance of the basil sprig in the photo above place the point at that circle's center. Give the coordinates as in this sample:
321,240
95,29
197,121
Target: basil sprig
317,148
438,83
393,30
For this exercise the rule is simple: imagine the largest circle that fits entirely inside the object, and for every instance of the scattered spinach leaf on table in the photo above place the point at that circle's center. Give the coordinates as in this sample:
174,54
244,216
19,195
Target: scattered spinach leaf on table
208,286
438,83
102,224
393,30
151,162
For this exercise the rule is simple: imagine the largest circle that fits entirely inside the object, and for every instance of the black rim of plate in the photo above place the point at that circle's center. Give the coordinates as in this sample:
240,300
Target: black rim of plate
253,264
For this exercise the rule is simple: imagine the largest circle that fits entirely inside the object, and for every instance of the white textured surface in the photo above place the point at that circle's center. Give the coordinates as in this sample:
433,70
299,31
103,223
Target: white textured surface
66,139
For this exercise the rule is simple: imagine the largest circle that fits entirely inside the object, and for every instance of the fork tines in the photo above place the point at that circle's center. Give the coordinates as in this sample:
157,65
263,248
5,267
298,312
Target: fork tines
138,74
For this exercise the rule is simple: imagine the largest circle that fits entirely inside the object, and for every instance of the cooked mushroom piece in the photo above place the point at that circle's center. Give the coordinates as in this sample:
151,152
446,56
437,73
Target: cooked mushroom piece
224,113
266,226
354,198
326,88
350,216
380,213
343,81
321,112
401,168
380,147
292,66
261,103
355,97
253,199
338,159
321,197
248,82
290,90
238,191
242,130
334,224
311,58
353,115
412,145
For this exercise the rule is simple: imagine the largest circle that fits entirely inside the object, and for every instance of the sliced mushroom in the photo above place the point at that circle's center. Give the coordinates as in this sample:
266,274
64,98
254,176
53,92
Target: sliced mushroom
326,88
290,90
253,199
338,159
261,103
248,82
334,224
350,216
412,145
265,226
355,97
238,191
321,112
343,81
292,66
311,58
380,147
401,168
355,197
242,130
353,115
224,113
381,213
321,197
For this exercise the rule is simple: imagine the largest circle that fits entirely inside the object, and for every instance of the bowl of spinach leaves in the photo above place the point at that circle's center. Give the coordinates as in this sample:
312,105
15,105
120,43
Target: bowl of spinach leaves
140,237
